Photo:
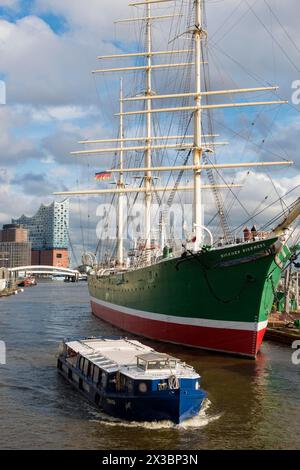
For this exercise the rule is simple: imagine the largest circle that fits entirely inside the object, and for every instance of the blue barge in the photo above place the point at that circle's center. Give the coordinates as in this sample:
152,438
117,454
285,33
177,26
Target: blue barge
131,381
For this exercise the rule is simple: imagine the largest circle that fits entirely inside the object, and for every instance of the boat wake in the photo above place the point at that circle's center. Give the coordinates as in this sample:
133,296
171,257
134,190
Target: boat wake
199,421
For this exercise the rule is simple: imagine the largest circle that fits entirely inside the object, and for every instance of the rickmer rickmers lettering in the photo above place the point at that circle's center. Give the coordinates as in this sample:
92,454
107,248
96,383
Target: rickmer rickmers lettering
215,289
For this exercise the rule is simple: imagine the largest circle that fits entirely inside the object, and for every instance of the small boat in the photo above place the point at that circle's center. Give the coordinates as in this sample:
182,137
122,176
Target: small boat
131,381
28,281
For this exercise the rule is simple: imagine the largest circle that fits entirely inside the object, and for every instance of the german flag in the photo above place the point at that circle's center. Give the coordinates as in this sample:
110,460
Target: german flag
102,176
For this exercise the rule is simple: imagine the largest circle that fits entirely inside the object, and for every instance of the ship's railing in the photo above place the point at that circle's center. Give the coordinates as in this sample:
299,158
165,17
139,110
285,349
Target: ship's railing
241,240
141,259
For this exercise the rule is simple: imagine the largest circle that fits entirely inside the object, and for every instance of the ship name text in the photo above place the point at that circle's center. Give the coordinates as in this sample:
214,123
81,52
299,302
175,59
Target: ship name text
243,251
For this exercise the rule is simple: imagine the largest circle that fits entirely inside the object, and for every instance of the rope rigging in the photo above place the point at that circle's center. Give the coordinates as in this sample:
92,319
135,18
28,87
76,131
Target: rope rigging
185,80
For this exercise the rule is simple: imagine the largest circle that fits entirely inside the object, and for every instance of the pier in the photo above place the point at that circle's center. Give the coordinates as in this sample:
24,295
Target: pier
8,284
284,327
283,334
9,276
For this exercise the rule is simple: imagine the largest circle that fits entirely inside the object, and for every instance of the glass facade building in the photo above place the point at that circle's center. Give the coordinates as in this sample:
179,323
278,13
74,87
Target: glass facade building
49,227
49,234
15,255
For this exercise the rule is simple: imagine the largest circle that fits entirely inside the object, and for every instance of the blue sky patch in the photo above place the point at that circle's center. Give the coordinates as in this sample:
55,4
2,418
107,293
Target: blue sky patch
13,15
57,23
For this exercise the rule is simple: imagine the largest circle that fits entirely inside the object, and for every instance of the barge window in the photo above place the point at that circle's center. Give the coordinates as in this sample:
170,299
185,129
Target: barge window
86,367
91,370
161,364
104,380
129,384
156,365
81,363
80,384
96,374
141,363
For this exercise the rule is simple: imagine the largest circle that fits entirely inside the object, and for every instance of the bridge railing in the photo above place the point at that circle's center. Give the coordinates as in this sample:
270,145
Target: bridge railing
45,270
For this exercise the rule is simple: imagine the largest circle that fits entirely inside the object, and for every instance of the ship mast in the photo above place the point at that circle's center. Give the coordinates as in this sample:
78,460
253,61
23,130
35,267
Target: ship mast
121,185
149,143
148,153
197,202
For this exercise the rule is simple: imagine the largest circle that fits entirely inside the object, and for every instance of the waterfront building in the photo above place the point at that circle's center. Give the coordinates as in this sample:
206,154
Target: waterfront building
14,233
14,254
15,247
48,233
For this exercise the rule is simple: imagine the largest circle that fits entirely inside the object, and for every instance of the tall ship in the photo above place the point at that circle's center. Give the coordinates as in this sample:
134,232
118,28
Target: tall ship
208,289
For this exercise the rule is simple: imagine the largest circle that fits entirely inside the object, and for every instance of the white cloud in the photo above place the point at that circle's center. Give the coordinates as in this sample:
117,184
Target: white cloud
9,3
63,113
41,67
92,15
14,149
49,83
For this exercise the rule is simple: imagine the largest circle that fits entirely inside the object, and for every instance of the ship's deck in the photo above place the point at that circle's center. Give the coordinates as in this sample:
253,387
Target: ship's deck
109,354
114,355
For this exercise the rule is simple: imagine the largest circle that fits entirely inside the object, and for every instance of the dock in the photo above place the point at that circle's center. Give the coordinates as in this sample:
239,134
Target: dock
283,334
9,291
281,328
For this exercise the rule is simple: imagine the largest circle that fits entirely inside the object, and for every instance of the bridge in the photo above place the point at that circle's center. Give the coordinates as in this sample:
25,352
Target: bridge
45,270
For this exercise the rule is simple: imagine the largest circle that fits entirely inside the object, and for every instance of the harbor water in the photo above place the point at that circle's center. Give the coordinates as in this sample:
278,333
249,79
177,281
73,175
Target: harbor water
251,405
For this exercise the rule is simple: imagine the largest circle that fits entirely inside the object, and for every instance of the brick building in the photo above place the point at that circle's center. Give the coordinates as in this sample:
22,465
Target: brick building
15,248
14,233
48,232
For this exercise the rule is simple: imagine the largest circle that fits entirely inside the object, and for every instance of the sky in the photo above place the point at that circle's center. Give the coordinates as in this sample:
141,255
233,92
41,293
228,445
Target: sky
47,51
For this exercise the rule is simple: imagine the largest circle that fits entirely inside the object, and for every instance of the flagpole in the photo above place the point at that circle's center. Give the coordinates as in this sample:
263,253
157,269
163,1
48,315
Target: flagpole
120,185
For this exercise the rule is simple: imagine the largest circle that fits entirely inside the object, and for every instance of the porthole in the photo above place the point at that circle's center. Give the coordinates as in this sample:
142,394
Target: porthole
142,387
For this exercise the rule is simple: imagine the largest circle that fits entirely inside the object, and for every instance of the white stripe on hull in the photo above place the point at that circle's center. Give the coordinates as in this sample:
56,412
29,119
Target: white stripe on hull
230,325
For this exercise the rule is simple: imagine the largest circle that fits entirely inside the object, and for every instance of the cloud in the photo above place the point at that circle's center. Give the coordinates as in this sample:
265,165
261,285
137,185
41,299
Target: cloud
34,184
63,113
41,67
91,16
10,209
47,67
65,138
285,139
9,3
13,147
23,129
53,100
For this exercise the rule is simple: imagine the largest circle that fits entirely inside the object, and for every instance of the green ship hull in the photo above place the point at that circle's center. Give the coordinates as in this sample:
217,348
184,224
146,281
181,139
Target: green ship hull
218,300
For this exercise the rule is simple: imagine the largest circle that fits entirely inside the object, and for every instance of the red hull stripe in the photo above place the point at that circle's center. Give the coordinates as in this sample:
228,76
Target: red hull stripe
242,342
189,321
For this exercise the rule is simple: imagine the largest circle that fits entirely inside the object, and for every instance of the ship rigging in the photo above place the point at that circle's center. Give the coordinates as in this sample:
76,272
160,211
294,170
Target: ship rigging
197,144
210,295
